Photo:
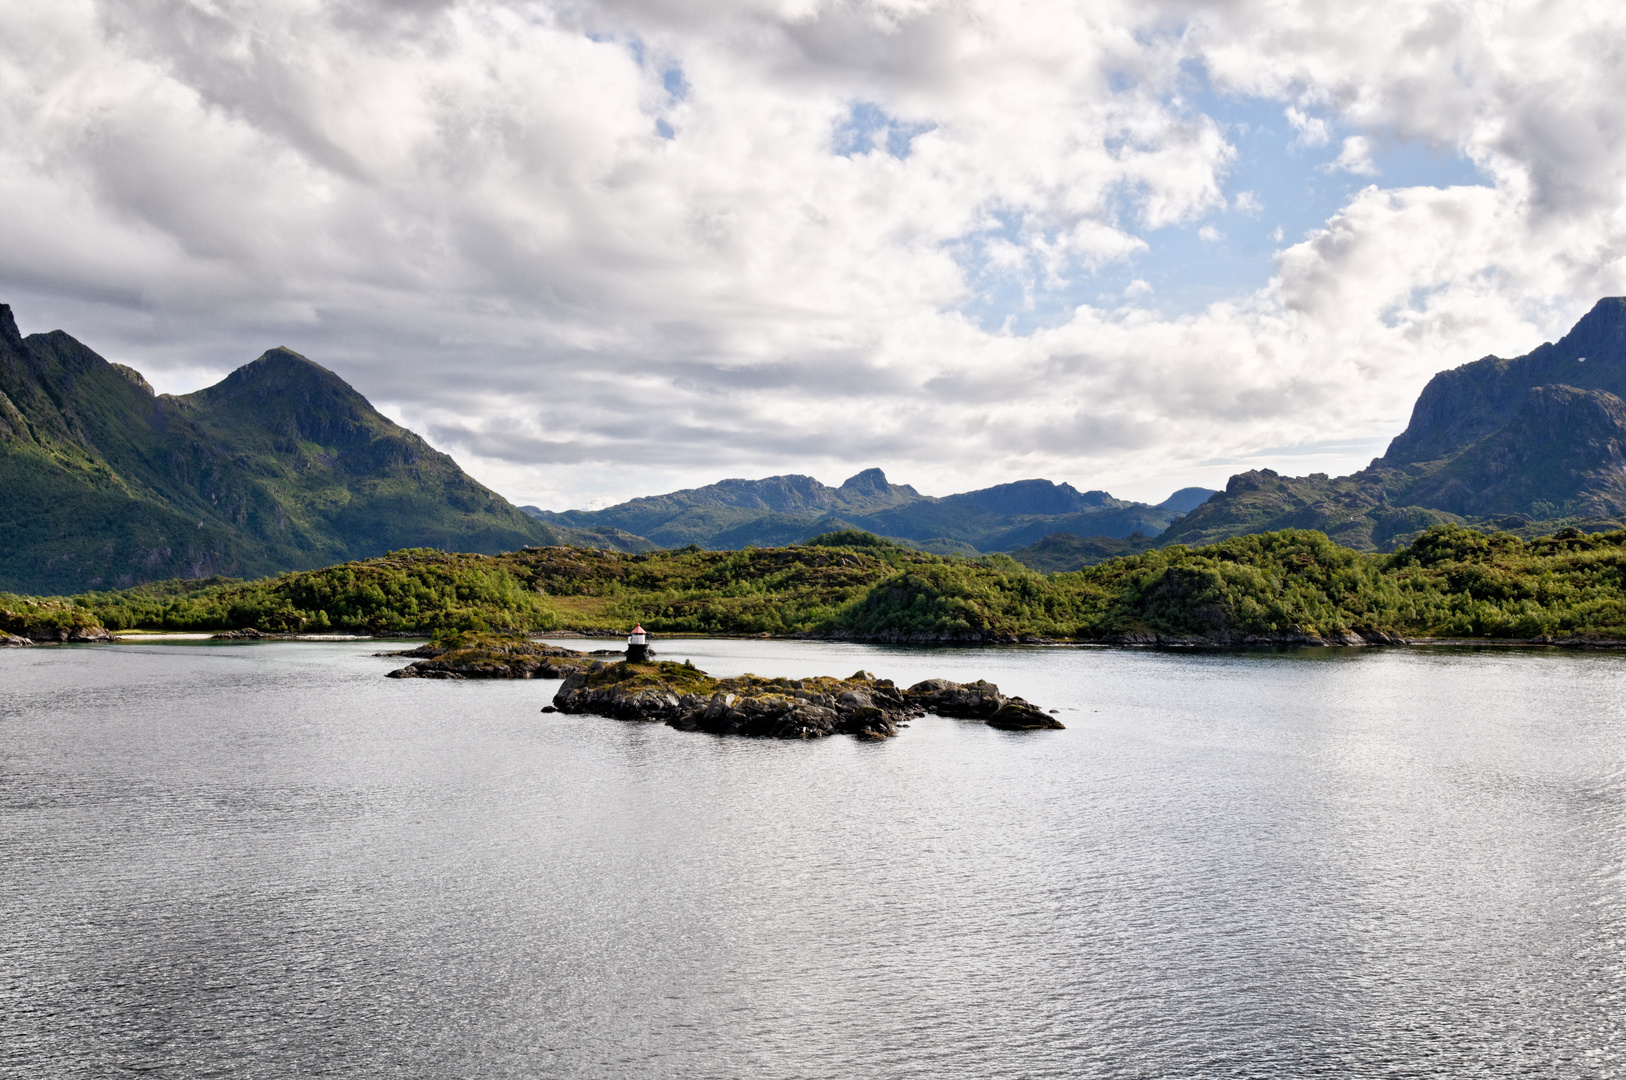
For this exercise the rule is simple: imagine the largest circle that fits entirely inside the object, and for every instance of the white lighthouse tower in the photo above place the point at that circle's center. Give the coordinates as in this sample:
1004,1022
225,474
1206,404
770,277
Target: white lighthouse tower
637,645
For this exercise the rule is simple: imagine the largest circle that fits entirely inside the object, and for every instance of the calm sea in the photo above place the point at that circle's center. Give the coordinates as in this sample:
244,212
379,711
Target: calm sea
267,860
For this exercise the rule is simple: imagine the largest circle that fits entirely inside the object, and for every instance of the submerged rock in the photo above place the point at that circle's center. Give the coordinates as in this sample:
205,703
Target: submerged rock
684,697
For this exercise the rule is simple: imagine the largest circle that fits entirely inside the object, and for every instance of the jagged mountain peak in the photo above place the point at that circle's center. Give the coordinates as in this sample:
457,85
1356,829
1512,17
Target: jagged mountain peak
8,327
1600,335
1460,406
868,480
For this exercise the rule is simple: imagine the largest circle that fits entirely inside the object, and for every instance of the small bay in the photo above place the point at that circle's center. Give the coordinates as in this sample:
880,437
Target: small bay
267,860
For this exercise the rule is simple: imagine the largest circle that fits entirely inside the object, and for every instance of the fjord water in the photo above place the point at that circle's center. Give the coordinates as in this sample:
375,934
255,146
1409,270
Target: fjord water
266,860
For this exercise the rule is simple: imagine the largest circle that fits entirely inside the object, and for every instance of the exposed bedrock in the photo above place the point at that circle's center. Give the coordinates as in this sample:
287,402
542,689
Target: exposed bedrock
862,705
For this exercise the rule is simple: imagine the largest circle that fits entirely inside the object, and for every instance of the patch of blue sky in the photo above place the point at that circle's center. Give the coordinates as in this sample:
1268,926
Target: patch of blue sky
677,85
673,80
1011,291
868,127
1279,190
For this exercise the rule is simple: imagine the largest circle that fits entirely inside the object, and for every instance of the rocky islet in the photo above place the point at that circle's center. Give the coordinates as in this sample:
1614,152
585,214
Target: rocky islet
684,697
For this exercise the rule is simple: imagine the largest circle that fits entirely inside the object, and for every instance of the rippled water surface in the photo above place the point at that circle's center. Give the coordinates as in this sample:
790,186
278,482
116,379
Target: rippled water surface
266,860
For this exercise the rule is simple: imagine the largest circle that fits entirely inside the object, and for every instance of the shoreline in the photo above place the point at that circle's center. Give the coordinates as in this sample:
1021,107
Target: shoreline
960,640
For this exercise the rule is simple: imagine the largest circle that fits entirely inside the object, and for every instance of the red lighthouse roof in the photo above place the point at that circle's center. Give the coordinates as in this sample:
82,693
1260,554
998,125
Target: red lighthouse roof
638,629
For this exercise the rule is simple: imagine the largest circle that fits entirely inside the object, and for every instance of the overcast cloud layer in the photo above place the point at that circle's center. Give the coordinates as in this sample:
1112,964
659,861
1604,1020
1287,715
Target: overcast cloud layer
597,250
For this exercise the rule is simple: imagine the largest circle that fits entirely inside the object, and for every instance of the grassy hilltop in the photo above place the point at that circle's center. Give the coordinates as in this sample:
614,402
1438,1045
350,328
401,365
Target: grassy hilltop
1289,585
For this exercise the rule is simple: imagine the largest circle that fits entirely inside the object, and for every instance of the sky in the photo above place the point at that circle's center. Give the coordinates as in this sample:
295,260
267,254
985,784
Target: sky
596,250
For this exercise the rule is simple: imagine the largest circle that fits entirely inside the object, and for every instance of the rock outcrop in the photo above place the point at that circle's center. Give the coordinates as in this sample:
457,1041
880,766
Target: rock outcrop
491,656
686,698
65,634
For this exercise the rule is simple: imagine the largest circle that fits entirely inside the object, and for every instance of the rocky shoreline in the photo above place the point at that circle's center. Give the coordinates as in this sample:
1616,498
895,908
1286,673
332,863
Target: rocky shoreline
54,635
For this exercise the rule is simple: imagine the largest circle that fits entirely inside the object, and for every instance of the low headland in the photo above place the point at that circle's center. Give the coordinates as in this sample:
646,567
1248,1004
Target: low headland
1291,587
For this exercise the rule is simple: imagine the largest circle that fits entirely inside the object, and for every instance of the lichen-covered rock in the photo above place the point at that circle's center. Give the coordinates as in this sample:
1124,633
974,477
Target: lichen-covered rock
688,699
12,641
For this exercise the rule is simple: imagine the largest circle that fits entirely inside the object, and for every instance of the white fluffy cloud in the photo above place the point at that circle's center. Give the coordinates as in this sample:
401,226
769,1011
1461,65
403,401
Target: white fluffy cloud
601,249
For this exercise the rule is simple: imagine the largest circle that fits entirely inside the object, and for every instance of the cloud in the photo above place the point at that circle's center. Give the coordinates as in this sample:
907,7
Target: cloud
1355,157
1312,130
602,249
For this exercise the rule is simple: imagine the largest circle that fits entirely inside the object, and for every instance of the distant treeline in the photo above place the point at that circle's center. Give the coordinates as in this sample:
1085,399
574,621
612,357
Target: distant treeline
1451,582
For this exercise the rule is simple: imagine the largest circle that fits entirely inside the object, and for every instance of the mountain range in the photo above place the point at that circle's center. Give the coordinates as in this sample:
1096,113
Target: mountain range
790,509
283,466
1530,445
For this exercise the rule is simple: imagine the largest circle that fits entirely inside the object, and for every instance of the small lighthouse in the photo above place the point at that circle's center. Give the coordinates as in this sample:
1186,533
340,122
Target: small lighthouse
637,646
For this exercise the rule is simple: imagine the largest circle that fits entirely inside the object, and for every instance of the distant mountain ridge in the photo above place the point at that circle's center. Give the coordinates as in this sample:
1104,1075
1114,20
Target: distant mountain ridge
782,510
282,465
1529,444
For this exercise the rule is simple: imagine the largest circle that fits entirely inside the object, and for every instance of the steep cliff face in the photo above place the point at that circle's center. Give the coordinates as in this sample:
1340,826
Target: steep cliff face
1464,405
1560,454
1523,444
282,465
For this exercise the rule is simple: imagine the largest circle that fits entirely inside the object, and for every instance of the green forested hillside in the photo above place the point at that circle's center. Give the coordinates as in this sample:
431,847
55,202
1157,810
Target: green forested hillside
281,465
1283,586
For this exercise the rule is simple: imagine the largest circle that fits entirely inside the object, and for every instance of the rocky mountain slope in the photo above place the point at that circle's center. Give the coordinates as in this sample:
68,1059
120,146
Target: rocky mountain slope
280,466
1529,445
